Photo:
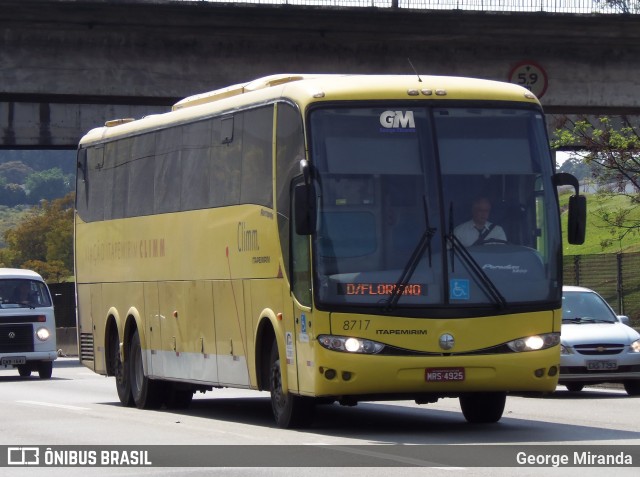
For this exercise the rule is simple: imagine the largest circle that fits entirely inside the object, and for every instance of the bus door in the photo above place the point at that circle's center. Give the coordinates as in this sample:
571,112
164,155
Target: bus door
303,316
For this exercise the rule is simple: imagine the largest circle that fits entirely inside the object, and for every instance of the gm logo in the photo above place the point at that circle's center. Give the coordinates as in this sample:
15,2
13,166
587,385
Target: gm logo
397,119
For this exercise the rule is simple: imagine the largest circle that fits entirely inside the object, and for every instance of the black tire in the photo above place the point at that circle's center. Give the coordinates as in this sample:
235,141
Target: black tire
45,369
289,411
120,371
574,387
147,393
483,408
24,370
175,398
632,387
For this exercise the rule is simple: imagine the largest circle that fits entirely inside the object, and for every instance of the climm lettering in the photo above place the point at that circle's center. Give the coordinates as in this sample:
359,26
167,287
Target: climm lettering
152,248
247,238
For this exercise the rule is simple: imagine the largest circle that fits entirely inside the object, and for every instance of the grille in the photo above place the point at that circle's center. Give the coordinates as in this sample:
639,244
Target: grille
584,370
86,347
16,338
599,349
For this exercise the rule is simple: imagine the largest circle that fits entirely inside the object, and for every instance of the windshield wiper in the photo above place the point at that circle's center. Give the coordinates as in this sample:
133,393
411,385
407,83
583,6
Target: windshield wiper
472,265
423,244
585,319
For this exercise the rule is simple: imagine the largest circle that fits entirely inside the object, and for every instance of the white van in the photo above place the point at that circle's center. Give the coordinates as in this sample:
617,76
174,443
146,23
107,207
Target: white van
27,323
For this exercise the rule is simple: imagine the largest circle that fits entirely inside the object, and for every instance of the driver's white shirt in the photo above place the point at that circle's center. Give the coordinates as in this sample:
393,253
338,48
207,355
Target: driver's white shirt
467,233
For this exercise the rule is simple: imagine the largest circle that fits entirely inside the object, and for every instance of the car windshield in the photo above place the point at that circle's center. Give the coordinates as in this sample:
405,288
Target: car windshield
395,186
19,292
584,307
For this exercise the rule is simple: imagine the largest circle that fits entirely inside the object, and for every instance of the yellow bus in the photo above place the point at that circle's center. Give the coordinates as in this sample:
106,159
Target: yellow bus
297,234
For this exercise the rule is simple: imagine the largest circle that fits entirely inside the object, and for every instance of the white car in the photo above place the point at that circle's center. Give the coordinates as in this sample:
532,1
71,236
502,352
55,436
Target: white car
596,345
27,323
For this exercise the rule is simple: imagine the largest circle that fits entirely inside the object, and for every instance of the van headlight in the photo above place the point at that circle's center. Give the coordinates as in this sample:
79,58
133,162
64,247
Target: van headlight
43,334
534,342
348,344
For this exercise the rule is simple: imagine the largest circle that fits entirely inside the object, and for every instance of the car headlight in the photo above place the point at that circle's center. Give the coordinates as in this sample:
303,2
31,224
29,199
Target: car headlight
347,344
535,342
635,346
565,349
43,334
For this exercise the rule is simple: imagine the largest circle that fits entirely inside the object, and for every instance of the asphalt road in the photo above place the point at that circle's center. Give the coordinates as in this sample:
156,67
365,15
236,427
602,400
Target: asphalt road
80,409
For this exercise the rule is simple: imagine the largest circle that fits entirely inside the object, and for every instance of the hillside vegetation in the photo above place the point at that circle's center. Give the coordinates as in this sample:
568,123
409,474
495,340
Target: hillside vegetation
599,237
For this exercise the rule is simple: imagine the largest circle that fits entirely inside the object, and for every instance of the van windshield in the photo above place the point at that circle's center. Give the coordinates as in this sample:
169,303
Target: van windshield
19,292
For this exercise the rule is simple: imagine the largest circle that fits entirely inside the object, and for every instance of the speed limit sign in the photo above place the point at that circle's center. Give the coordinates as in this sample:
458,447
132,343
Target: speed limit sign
530,75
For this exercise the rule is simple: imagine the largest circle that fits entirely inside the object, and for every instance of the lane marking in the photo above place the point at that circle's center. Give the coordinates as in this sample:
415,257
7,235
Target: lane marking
50,404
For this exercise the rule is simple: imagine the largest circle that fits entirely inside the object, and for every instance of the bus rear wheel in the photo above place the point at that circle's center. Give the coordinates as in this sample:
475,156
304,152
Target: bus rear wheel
147,393
483,408
289,411
120,371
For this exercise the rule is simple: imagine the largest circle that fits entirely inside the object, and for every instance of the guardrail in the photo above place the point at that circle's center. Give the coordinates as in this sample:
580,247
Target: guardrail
548,6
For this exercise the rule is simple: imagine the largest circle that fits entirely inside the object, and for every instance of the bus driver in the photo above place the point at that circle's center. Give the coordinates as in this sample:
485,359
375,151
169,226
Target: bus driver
479,230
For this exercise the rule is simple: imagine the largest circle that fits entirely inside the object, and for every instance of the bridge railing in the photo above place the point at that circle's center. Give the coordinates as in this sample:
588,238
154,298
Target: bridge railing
550,6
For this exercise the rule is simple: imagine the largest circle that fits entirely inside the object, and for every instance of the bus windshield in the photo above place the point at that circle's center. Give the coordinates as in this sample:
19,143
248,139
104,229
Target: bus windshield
443,207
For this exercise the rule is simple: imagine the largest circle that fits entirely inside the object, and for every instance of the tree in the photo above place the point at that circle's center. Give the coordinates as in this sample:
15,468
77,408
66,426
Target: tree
623,6
43,240
15,172
576,166
47,185
12,194
611,148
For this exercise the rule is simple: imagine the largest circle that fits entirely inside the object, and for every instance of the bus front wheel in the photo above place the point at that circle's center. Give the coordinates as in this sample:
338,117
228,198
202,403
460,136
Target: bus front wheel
483,408
147,393
289,411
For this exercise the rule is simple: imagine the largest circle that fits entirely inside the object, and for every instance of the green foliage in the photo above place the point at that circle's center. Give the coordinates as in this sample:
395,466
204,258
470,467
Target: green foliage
576,166
47,185
43,240
611,149
599,236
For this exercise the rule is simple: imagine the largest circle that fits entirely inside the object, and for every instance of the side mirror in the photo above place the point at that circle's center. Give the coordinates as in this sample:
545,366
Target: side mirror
577,219
304,212
577,209
624,319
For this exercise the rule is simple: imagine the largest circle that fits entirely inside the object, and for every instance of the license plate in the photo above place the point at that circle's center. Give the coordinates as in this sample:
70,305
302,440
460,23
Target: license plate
443,374
14,360
602,365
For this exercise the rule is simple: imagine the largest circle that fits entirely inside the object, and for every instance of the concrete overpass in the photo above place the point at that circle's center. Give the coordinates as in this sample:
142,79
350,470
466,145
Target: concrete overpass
68,65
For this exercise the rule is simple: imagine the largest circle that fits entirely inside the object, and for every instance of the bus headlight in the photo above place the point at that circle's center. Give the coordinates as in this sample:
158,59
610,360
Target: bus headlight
535,342
43,334
347,344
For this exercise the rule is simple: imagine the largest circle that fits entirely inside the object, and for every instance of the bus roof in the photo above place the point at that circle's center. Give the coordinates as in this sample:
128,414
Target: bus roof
307,88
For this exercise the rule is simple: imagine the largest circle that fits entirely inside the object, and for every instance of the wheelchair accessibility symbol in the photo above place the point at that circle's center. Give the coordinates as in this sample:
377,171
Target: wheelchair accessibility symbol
459,289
